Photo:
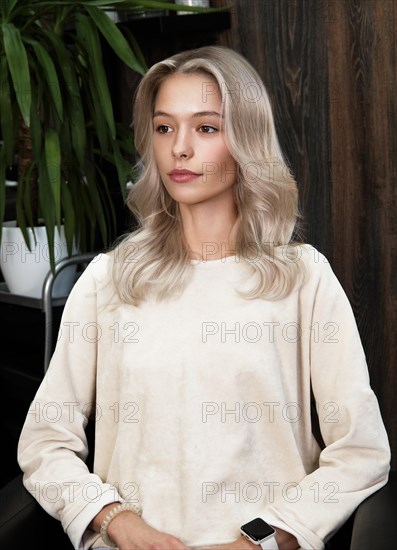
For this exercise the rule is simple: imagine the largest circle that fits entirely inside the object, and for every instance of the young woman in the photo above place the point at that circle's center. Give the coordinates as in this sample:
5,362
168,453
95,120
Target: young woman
198,343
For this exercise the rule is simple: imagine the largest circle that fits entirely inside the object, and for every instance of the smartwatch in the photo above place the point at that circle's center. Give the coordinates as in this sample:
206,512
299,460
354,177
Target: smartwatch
260,533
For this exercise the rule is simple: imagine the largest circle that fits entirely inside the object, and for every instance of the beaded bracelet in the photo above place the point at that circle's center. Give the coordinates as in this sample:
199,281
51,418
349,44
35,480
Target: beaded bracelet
111,515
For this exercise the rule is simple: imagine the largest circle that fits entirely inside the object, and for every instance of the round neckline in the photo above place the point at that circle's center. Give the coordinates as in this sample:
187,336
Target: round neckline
219,261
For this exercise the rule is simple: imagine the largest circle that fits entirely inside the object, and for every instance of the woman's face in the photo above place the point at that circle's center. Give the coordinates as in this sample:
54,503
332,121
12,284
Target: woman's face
190,150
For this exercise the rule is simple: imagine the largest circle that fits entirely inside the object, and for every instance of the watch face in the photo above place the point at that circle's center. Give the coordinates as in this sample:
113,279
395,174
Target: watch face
258,529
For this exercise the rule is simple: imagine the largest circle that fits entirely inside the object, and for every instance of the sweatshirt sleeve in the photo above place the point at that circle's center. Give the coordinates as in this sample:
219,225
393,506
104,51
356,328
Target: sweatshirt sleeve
53,446
355,461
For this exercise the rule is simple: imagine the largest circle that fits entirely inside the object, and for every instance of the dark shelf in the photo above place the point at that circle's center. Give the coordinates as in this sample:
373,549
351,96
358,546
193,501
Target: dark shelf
179,24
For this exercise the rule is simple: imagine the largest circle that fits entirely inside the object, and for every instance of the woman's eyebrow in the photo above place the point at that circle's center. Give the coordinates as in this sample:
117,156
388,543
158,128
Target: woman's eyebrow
195,115
206,113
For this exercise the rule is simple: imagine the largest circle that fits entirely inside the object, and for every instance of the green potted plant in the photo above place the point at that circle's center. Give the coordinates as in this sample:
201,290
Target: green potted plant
56,116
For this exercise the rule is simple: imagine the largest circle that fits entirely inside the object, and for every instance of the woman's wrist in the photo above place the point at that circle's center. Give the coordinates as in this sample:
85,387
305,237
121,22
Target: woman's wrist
116,521
96,523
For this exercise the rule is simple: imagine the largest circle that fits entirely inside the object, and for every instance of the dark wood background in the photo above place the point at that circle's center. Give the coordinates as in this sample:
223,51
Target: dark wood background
330,68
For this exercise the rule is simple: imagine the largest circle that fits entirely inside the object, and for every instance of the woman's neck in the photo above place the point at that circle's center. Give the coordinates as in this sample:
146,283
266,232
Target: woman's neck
210,233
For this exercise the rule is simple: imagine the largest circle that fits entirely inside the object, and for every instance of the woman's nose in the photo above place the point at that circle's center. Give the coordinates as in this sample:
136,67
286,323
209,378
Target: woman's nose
182,146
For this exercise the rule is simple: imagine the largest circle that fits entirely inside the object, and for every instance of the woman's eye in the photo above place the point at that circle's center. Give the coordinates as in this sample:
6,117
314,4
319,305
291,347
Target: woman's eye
163,129
205,129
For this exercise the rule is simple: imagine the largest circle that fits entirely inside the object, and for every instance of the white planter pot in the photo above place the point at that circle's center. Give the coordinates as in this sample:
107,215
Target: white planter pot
24,271
199,3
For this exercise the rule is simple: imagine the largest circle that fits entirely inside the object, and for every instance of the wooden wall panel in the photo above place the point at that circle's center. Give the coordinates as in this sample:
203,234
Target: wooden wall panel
285,41
330,67
362,67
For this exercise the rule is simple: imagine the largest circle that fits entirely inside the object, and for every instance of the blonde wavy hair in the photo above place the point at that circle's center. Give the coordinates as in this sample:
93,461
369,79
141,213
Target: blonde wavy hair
154,258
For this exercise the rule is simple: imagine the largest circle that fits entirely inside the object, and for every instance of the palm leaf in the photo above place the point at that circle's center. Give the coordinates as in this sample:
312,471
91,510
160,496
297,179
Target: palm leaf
53,163
73,104
50,75
18,65
2,186
88,35
114,37
6,119
122,166
23,207
69,220
6,7
26,213
94,197
136,48
47,206
35,125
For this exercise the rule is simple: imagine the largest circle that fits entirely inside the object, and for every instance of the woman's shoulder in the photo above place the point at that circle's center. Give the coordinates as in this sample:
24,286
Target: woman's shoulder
100,267
316,267
310,256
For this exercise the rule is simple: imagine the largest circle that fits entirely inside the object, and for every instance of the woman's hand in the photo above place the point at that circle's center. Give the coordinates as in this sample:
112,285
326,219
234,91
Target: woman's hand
285,541
240,544
130,532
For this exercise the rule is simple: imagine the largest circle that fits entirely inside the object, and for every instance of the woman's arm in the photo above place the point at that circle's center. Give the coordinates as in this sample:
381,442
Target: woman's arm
130,532
355,461
53,445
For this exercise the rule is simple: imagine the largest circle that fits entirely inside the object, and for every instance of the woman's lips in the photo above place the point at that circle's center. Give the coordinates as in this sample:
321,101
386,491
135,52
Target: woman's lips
183,176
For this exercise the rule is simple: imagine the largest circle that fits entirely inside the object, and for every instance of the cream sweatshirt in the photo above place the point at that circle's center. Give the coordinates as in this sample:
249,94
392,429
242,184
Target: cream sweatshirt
202,408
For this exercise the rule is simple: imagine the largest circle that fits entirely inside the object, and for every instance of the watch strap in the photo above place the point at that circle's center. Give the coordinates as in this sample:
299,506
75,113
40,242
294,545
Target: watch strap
269,544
